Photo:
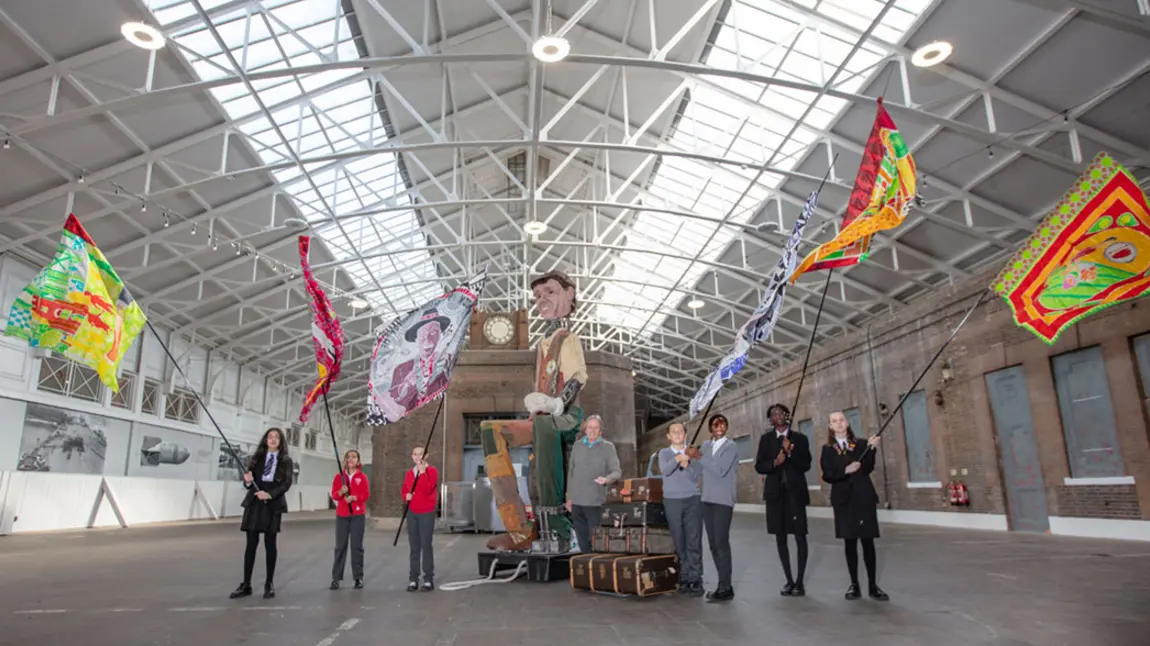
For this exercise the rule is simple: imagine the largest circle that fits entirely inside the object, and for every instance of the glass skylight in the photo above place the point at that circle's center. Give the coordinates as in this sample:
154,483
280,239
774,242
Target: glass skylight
319,114
772,39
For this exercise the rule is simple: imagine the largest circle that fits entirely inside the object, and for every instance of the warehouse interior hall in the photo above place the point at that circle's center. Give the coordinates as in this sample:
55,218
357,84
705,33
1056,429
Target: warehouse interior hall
880,262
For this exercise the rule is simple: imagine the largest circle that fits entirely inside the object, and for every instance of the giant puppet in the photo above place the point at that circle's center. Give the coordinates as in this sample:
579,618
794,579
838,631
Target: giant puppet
560,374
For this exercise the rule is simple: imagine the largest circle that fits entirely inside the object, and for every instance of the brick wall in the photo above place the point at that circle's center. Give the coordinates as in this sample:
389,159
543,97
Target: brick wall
962,429
495,381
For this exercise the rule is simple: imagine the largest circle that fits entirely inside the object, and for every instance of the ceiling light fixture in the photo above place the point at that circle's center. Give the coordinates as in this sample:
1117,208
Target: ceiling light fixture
695,303
534,227
358,303
932,54
551,49
143,36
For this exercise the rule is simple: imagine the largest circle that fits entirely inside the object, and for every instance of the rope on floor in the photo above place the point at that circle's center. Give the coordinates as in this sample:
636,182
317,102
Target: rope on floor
463,585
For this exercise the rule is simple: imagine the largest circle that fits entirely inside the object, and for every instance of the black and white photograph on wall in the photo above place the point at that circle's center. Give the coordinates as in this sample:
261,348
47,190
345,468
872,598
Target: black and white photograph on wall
227,467
66,441
167,453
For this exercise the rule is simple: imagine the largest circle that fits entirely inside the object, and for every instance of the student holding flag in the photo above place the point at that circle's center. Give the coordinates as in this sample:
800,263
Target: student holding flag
350,512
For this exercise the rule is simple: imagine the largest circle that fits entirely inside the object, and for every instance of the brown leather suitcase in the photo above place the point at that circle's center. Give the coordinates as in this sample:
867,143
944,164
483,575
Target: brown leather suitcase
609,540
583,568
648,540
636,490
646,575
633,514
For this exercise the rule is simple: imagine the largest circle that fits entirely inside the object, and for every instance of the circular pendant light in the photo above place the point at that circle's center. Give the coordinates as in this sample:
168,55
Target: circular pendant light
932,54
695,303
550,49
142,35
534,227
358,303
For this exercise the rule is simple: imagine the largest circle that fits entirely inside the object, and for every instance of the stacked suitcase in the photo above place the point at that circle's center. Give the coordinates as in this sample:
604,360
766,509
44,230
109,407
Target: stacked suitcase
631,551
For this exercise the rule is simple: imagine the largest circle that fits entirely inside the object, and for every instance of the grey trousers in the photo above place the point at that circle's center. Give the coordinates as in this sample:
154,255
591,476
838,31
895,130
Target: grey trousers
685,516
584,517
420,528
717,519
348,528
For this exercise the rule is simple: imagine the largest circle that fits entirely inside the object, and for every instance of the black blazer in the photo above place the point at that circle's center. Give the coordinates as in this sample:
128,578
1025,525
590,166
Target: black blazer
852,489
793,470
281,482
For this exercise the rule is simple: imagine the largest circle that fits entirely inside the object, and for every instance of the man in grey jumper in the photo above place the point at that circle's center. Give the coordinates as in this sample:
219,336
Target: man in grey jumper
593,465
684,508
720,460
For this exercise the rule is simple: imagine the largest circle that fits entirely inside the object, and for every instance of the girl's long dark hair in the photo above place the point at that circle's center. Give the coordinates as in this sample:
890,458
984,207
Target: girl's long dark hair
831,435
257,463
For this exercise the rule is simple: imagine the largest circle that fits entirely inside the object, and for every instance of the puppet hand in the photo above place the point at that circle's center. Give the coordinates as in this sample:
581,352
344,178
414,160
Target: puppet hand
538,403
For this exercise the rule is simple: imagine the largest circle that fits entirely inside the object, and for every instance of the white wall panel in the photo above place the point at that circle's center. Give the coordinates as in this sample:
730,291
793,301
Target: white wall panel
154,357
51,501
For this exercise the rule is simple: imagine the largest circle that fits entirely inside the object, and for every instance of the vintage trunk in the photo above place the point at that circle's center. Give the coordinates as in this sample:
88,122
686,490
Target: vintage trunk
583,567
607,540
632,540
633,514
636,490
646,576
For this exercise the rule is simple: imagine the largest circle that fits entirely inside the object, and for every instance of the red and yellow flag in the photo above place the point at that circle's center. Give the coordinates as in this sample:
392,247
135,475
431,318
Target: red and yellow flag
883,193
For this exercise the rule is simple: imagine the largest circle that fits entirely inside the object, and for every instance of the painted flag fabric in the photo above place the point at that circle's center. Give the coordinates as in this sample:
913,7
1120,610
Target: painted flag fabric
415,355
883,193
326,333
763,319
78,307
1091,252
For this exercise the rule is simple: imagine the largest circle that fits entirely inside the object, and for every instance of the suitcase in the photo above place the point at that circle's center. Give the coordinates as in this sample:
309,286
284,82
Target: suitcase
594,572
646,575
607,540
636,490
633,514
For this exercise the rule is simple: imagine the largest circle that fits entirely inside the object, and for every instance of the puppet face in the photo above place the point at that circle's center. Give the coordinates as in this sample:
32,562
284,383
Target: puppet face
552,300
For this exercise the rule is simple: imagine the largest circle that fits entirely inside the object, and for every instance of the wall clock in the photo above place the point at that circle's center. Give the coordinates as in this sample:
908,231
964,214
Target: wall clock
498,330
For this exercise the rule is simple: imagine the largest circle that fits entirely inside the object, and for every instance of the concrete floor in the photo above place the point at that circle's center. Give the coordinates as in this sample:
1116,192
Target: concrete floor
170,585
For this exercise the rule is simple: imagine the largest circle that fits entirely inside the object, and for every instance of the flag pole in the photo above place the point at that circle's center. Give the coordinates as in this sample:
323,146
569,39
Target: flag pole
929,365
196,394
338,463
406,505
810,345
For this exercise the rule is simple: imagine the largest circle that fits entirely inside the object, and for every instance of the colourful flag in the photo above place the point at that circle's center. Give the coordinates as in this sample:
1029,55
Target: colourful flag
326,333
883,194
77,306
763,319
415,356
1091,252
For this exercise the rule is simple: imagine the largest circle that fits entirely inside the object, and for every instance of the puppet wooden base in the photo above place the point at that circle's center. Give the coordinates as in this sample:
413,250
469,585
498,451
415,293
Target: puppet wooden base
541,568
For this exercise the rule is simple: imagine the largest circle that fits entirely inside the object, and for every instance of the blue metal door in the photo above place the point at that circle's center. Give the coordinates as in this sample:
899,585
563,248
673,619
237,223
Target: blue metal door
1022,471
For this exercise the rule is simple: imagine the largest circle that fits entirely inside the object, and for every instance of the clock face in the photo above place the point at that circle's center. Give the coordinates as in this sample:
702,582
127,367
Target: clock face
498,330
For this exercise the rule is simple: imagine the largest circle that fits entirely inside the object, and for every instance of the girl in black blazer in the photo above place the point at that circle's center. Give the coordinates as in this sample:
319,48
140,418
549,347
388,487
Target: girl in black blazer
853,498
264,507
783,459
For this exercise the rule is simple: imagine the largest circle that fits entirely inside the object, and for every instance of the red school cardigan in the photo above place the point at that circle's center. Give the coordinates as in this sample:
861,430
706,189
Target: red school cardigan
360,488
425,495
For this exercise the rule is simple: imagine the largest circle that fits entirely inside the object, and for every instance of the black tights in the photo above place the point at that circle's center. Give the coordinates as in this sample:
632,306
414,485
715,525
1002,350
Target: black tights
785,555
868,559
250,556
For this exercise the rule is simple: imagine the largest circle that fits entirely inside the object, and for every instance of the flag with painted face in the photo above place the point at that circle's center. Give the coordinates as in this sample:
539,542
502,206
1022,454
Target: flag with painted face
884,191
1091,252
78,307
414,356
762,321
326,333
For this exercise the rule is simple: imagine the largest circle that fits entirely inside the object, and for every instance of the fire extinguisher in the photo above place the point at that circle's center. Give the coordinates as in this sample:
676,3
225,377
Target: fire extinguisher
952,492
963,494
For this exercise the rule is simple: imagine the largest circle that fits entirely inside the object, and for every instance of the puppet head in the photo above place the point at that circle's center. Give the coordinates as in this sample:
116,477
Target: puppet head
554,295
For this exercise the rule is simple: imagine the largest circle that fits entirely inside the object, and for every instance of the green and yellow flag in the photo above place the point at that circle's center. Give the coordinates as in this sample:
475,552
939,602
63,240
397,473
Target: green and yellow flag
78,307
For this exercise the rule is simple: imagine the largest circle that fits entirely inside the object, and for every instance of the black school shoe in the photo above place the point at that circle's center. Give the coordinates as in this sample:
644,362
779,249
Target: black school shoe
334,585
245,590
721,594
877,594
793,590
412,586
359,584
269,591
853,592
428,586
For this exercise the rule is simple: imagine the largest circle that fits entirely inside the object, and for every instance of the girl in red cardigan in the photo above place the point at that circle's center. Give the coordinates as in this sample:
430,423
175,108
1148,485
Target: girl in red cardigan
419,491
350,512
